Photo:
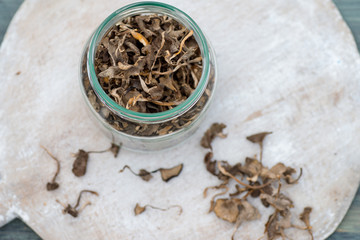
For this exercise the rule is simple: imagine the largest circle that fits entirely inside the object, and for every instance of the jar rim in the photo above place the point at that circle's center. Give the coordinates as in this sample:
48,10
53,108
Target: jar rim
150,117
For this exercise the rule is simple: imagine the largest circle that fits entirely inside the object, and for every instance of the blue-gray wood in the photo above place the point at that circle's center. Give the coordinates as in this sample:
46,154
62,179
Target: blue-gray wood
349,228
7,11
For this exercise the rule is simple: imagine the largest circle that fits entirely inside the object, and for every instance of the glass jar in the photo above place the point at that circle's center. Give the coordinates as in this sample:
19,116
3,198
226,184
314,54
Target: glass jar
147,131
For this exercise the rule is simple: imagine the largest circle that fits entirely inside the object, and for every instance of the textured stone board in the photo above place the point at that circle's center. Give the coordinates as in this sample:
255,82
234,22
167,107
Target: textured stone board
287,66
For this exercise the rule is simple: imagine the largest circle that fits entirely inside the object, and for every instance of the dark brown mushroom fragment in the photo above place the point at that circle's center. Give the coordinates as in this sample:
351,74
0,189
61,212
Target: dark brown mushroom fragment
80,163
145,175
74,210
227,209
169,173
50,186
115,149
216,130
247,212
166,173
140,209
258,138
82,157
305,217
210,165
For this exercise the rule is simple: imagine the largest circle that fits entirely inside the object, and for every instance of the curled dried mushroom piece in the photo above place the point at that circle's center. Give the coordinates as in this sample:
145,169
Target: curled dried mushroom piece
140,209
50,186
143,61
258,138
145,175
227,209
80,163
255,180
82,157
115,149
166,173
214,131
305,217
75,210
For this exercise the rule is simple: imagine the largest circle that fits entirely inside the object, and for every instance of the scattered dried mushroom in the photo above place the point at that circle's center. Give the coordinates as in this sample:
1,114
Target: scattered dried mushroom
140,209
261,182
81,158
214,131
305,217
74,210
258,138
166,173
50,186
148,63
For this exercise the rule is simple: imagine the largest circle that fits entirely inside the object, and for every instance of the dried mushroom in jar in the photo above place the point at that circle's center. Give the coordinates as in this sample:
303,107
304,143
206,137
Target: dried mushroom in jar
148,64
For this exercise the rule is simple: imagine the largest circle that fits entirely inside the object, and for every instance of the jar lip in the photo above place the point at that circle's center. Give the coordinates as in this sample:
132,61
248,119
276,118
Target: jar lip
160,116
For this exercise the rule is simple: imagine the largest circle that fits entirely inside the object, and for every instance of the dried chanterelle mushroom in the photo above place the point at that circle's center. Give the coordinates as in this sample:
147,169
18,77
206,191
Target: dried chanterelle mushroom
82,156
140,209
257,181
166,173
258,138
214,131
50,186
144,174
74,210
148,63
169,173
305,217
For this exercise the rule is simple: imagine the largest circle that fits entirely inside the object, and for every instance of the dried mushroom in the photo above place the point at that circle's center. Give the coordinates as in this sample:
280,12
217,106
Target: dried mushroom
145,175
169,173
227,209
210,165
166,173
305,217
258,138
214,131
141,62
115,149
80,163
82,157
50,186
74,210
140,209
255,180
280,202
148,64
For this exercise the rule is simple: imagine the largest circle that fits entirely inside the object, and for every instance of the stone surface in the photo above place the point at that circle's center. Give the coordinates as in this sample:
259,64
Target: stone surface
287,67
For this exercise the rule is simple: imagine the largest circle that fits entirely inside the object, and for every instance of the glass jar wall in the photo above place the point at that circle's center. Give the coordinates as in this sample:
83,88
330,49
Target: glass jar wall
147,131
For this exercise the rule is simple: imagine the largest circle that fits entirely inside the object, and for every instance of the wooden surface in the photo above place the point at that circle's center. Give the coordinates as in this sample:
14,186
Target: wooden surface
349,229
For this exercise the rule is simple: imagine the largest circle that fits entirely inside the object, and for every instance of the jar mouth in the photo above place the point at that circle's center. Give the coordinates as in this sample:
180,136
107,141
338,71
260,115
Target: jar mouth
147,8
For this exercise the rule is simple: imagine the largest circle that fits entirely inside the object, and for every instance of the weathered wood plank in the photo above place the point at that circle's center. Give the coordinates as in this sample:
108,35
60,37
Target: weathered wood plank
17,230
7,11
350,10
